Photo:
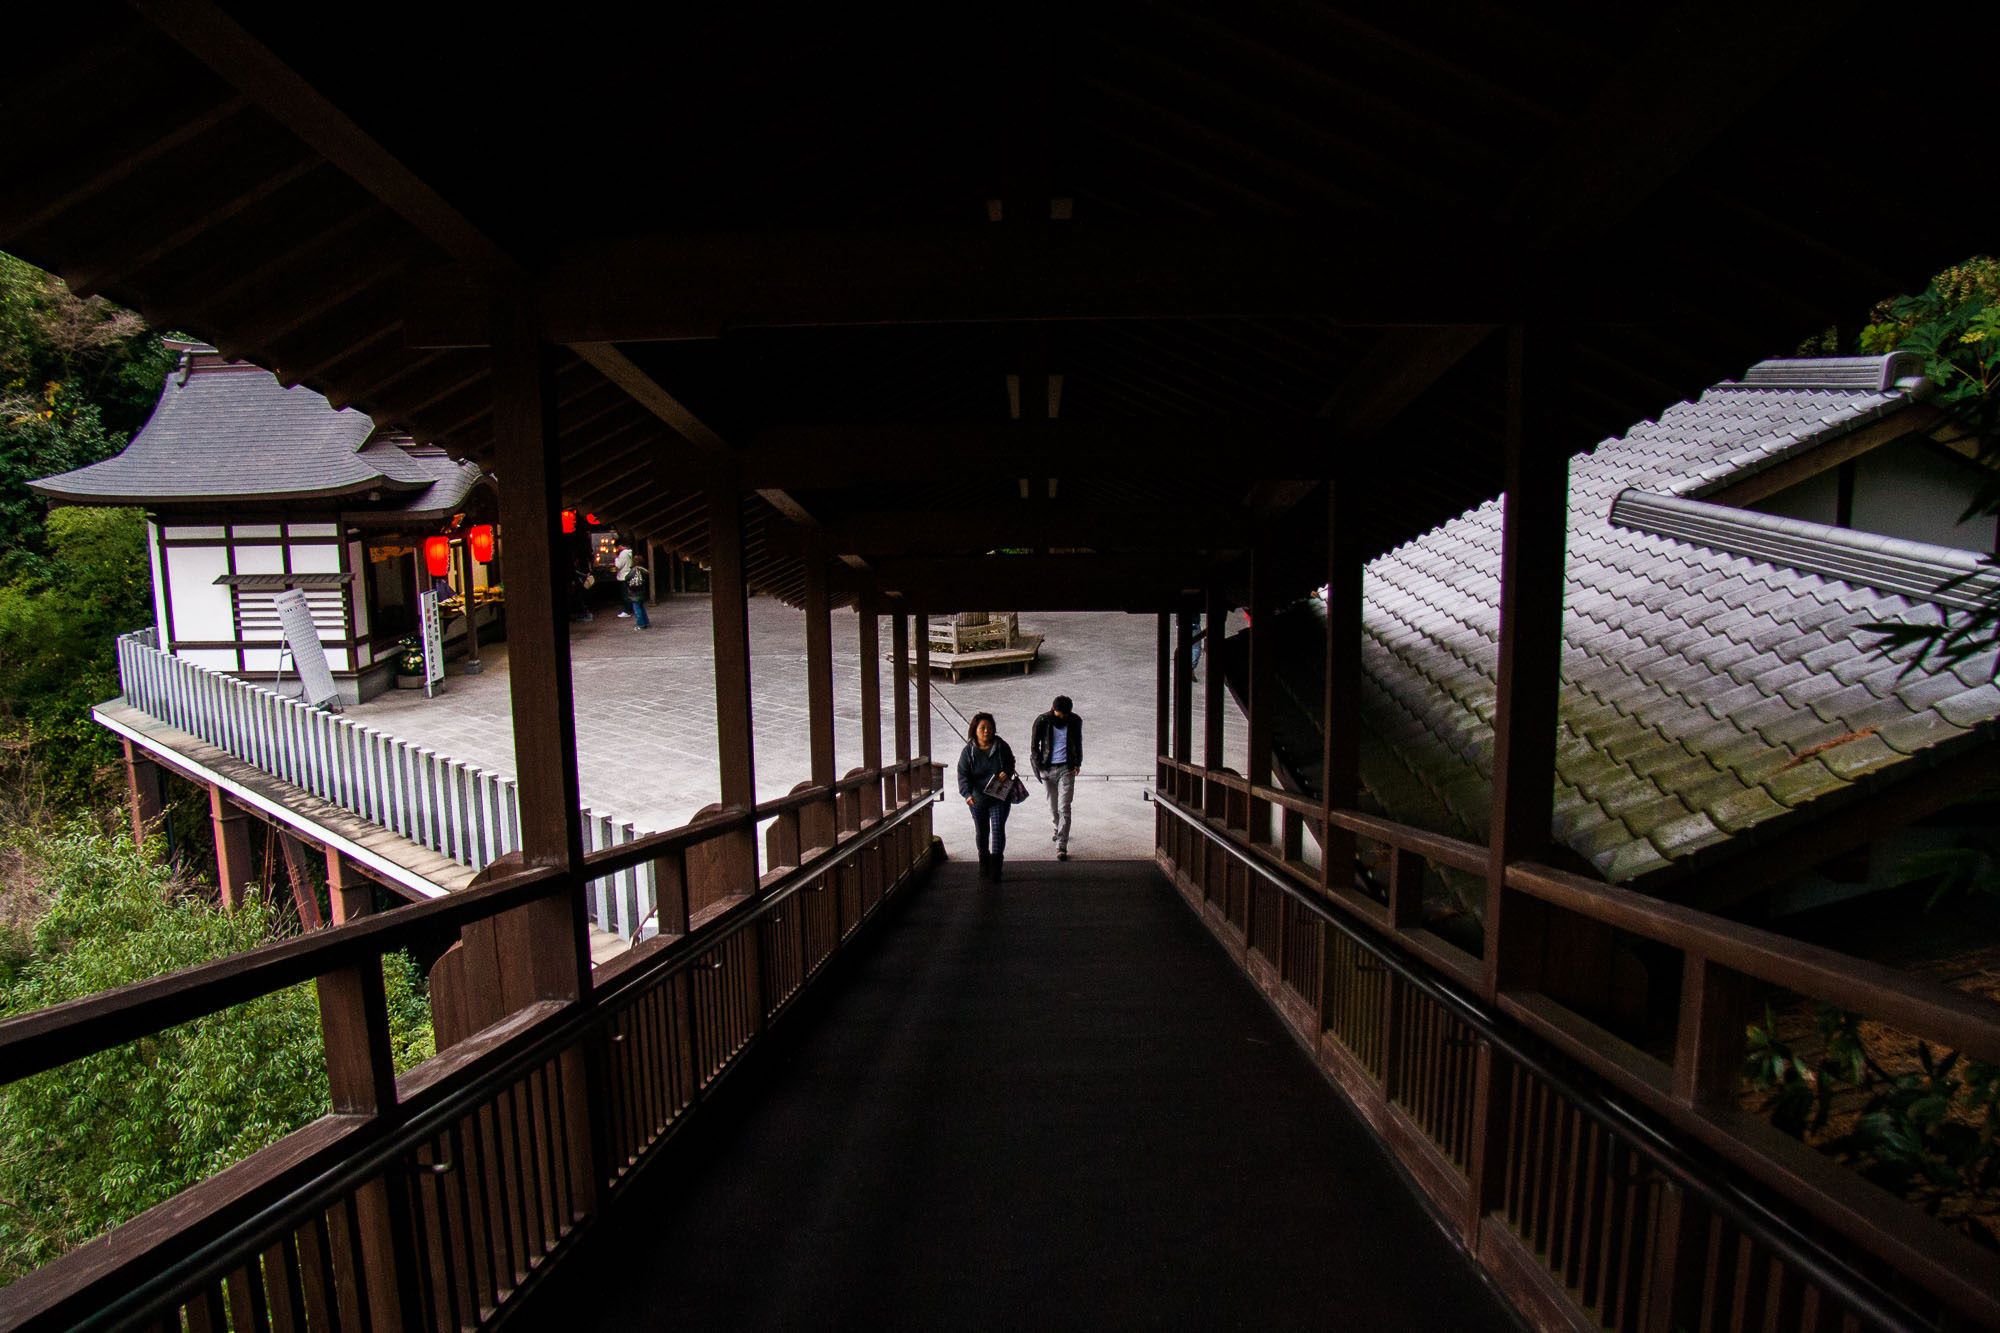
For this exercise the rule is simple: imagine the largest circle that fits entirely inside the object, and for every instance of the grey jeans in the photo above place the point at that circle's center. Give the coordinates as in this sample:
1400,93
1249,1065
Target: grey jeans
1061,785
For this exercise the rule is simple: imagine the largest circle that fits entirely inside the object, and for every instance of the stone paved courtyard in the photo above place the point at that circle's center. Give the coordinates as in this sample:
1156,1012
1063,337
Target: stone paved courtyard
645,717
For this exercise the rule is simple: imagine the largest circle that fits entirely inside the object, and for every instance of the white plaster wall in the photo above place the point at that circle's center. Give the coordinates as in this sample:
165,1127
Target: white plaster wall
315,558
260,559
1814,500
202,608
1911,491
221,659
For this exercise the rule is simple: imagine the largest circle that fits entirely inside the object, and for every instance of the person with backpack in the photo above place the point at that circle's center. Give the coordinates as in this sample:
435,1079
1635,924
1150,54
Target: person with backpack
1055,748
632,584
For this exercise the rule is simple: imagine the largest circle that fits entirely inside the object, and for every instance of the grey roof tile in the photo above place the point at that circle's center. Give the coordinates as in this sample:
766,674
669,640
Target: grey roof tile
1741,808
1919,731
1979,704
1690,669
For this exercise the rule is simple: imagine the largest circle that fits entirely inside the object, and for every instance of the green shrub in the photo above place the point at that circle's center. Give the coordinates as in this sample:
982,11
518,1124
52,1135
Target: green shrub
94,1142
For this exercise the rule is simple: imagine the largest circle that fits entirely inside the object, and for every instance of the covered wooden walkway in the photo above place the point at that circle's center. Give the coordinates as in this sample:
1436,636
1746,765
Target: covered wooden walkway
1050,1103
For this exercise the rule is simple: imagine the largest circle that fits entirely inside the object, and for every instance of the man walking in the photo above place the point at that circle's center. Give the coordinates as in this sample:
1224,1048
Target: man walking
1055,748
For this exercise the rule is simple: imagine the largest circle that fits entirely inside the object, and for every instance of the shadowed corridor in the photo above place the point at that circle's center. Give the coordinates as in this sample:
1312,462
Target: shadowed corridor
1048,1103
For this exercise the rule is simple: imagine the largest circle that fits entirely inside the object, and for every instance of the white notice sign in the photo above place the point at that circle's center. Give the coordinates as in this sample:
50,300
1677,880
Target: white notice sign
308,656
431,624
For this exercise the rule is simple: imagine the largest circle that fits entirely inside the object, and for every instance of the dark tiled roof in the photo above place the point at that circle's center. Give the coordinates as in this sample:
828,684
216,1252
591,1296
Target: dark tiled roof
225,432
1706,691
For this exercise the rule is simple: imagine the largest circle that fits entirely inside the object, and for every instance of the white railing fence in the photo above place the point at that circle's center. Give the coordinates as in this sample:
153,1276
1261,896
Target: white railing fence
458,810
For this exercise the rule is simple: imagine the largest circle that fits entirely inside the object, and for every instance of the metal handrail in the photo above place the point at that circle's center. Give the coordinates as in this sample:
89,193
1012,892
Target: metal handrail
1745,1211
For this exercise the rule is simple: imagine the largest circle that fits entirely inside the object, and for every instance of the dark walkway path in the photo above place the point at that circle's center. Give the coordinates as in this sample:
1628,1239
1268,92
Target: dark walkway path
1053,1104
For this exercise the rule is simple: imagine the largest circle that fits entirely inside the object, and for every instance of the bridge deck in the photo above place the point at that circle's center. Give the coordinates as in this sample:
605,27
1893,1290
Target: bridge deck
1049,1103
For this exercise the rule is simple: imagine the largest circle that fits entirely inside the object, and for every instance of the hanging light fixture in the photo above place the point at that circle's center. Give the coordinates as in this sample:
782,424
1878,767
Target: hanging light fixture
569,520
437,556
480,541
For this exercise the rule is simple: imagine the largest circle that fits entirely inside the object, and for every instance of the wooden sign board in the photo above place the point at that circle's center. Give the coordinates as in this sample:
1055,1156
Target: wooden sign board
431,622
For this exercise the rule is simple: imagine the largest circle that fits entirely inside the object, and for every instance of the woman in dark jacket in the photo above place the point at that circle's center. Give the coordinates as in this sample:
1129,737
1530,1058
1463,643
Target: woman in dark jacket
984,756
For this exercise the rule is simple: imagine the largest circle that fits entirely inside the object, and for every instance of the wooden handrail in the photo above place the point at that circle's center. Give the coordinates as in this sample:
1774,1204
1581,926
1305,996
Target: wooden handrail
1804,1179
46,1038
1970,1023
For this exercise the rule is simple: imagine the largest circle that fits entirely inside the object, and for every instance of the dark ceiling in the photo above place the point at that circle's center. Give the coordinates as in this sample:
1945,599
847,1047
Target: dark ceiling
1108,283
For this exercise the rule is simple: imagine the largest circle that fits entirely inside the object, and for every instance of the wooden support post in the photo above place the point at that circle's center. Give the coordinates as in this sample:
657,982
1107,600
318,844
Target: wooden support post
472,665
923,634
304,900
819,669
233,871
1709,1043
731,626
1163,728
1340,755
1263,700
1534,537
1183,685
868,639
351,896
1163,701
1217,614
818,823
899,673
142,784
545,945
652,572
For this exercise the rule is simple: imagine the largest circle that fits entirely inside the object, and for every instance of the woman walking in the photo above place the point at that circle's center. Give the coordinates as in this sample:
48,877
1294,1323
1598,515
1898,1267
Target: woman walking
984,757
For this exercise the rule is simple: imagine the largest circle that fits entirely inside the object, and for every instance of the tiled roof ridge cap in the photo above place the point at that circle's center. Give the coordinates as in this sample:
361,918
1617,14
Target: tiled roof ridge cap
1875,374
1940,574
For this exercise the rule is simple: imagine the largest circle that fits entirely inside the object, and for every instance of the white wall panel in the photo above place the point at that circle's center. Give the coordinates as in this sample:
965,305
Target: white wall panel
315,558
221,659
181,531
262,659
202,607
241,530
260,559
315,530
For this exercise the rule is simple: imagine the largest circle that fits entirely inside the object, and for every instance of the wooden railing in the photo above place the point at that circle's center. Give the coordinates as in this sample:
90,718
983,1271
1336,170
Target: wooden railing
1600,1184
456,809
432,1200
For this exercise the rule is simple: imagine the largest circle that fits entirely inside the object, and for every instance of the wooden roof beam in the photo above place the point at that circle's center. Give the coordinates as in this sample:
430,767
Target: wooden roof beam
1705,64
694,287
1044,583
1099,527
805,458
225,46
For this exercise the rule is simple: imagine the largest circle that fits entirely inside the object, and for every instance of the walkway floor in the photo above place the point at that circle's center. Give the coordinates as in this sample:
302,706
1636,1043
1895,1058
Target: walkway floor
1048,1104
645,715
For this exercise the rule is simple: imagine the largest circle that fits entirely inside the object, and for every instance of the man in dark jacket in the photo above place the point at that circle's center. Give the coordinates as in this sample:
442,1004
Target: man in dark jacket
1056,750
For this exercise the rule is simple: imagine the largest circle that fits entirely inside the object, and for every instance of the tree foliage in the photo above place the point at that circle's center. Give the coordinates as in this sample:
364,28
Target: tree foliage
1954,324
1930,1134
59,622
76,376
88,1145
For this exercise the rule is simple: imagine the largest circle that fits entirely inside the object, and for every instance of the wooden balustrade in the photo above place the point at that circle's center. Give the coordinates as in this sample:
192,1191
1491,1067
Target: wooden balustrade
1568,1203
437,1197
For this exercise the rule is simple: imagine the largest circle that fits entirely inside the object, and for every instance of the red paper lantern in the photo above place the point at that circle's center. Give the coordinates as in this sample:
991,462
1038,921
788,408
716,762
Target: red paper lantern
569,520
437,556
480,540
590,520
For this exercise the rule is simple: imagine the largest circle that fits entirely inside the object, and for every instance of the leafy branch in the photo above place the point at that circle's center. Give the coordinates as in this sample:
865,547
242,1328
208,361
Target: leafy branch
1928,1134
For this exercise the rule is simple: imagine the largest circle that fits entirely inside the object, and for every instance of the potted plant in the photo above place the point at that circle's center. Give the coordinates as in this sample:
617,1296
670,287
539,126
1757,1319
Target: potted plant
409,663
